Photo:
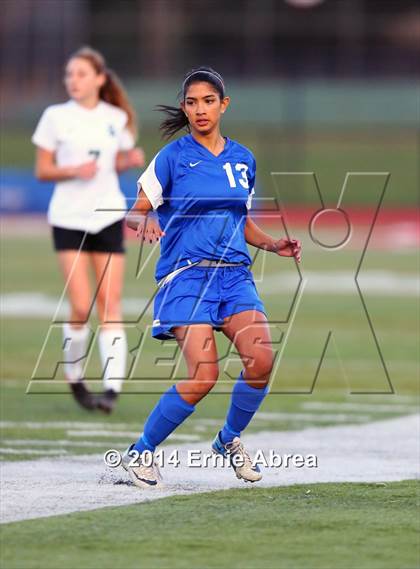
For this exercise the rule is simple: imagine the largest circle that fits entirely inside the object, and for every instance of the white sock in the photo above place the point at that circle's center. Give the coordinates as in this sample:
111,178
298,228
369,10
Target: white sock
74,348
113,350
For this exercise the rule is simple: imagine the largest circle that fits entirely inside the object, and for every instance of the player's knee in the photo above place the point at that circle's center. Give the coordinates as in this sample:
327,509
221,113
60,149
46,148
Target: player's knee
109,307
80,312
204,378
102,298
211,378
260,367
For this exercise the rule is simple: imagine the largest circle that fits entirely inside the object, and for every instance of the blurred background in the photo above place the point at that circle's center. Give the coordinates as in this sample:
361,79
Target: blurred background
323,86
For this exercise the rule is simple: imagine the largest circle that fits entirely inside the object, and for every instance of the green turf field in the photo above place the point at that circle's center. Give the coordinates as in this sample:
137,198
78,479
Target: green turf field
351,363
322,525
325,526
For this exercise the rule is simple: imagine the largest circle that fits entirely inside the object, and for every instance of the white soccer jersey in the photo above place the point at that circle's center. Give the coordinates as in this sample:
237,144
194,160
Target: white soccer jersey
77,135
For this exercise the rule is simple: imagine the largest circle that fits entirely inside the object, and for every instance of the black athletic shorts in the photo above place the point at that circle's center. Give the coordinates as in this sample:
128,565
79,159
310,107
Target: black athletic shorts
109,240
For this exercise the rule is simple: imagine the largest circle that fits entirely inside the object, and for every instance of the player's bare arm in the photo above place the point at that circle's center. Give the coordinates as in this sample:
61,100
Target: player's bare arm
285,247
127,159
145,225
47,170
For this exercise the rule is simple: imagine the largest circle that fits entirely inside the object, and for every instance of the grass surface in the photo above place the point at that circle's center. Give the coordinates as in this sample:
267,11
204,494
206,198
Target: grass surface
321,526
337,526
351,360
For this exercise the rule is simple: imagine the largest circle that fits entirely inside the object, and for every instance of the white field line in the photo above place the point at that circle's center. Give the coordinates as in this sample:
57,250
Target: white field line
200,428
56,452
262,416
126,435
392,397
102,433
79,444
207,422
184,437
40,305
373,452
94,429
380,283
383,403
366,407
122,429
65,425
313,417
59,443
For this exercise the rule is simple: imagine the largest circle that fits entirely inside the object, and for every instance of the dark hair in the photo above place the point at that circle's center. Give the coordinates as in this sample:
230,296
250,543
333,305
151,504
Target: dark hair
175,117
112,91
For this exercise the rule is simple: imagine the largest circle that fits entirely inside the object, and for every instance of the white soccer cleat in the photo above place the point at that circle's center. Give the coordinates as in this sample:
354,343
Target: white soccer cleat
239,459
142,468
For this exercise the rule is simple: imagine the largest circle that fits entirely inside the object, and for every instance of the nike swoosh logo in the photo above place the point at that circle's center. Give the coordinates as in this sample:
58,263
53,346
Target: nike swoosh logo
192,164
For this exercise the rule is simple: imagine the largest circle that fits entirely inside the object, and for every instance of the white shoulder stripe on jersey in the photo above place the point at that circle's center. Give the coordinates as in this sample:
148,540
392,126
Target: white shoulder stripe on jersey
149,183
249,200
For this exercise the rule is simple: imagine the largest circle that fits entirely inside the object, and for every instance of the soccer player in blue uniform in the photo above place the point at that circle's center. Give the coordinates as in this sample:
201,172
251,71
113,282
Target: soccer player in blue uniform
201,186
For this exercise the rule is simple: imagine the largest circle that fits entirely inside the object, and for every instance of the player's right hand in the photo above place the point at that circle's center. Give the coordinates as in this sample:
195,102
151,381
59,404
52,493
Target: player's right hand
87,170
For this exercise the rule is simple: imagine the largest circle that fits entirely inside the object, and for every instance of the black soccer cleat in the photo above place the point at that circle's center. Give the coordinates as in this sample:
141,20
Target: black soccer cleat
106,402
83,396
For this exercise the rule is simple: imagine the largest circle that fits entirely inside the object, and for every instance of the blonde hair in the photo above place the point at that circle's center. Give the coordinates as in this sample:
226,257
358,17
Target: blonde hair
112,90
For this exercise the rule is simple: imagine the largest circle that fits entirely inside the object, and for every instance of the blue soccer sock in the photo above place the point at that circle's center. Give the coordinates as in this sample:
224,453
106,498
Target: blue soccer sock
170,411
244,404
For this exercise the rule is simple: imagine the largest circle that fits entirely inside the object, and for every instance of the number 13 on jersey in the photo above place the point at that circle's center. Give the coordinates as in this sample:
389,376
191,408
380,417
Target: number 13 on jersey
239,167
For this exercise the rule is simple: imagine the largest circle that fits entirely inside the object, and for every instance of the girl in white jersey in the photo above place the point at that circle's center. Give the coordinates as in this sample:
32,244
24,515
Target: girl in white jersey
82,145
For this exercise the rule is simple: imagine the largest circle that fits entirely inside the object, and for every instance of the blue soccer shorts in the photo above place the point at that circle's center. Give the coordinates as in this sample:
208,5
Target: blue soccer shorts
201,295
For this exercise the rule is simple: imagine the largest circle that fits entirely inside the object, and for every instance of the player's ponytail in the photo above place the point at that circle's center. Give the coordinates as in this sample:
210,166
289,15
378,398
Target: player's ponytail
175,117
112,91
175,120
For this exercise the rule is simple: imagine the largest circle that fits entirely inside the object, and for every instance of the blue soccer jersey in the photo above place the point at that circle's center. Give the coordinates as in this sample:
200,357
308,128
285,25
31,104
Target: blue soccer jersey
201,201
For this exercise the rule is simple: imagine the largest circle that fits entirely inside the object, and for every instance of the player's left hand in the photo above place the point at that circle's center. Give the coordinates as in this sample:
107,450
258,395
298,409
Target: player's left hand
135,158
288,248
149,231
